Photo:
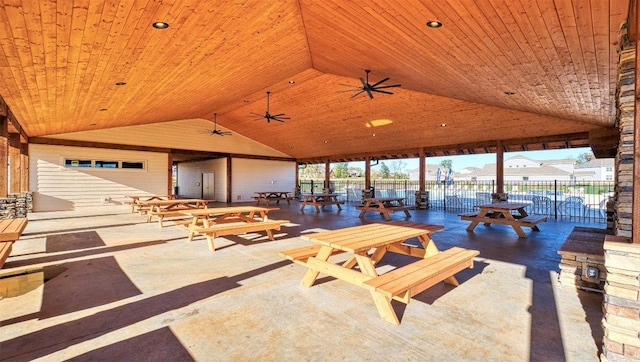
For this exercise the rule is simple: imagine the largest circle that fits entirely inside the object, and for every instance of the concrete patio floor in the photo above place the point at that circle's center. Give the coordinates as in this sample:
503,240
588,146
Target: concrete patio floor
106,285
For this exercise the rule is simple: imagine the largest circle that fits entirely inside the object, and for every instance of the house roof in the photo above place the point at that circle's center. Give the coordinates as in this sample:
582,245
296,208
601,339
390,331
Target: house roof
597,162
490,170
536,74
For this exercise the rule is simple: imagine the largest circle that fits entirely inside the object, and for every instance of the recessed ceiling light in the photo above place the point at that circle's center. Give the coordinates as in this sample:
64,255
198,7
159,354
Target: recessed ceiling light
92,125
443,124
245,101
326,141
292,82
102,109
509,93
160,25
434,24
373,135
121,83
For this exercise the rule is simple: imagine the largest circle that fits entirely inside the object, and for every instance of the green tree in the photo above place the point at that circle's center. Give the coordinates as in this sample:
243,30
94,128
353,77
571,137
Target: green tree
446,163
584,157
341,170
396,169
384,171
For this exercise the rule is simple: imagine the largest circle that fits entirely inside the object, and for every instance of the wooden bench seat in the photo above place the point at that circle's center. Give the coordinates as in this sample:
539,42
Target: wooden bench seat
10,231
5,250
469,214
300,255
403,283
236,228
401,208
532,219
162,214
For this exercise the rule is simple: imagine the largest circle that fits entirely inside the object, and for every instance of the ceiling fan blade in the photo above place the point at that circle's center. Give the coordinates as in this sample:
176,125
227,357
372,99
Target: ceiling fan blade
365,85
380,82
357,94
381,91
281,117
369,93
350,85
388,86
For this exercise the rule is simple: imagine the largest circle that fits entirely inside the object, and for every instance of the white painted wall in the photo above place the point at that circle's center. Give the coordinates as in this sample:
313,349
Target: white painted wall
56,187
190,178
249,176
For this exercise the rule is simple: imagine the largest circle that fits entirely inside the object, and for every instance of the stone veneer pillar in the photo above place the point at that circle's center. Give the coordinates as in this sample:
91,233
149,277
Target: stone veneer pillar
624,158
621,308
621,305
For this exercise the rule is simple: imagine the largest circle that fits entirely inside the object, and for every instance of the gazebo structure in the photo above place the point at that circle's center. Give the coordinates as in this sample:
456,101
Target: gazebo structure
104,98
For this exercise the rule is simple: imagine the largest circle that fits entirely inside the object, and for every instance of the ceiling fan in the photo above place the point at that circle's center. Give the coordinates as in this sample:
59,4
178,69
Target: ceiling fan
268,116
215,129
370,88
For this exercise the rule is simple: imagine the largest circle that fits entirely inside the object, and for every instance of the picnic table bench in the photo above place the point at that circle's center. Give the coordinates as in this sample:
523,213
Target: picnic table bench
399,284
320,201
137,201
221,221
10,231
500,213
269,196
172,208
213,231
384,206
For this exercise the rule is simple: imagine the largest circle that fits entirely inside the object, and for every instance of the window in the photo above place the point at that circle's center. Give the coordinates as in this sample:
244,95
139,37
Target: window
102,164
77,163
609,169
135,165
609,178
525,178
106,164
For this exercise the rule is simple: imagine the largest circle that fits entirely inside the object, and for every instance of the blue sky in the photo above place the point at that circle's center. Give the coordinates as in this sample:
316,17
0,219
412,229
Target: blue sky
460,162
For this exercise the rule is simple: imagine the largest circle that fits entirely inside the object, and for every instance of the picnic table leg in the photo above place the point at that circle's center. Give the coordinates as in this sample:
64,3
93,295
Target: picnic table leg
311,275
210,241
191,227
386,216
378,254
385,309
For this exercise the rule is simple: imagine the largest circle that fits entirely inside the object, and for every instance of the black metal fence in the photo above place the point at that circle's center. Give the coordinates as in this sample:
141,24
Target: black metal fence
579,201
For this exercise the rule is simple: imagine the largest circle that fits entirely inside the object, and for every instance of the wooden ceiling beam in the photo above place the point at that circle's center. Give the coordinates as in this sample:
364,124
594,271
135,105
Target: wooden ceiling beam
572,140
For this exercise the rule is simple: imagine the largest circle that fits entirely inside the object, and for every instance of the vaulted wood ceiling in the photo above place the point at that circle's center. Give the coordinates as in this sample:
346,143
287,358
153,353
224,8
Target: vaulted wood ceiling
496,69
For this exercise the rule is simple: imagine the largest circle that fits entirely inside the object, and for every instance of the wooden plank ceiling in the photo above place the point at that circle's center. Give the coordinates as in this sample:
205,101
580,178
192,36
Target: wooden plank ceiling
529,71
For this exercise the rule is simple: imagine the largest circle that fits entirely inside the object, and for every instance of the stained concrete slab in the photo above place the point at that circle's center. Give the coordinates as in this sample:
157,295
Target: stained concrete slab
133,291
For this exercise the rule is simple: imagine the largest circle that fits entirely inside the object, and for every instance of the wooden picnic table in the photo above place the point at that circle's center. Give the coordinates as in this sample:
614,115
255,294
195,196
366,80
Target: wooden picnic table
10,231
366,245
172,208
277,196
219,221
384,206
501,213
320,201
136,200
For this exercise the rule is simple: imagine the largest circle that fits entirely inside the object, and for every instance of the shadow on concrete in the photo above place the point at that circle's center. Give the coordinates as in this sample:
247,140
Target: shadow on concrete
73,241
25,235
86,284
58,337
78,254
158,345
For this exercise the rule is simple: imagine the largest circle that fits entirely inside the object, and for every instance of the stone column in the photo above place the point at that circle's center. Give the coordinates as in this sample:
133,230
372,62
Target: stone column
621,307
